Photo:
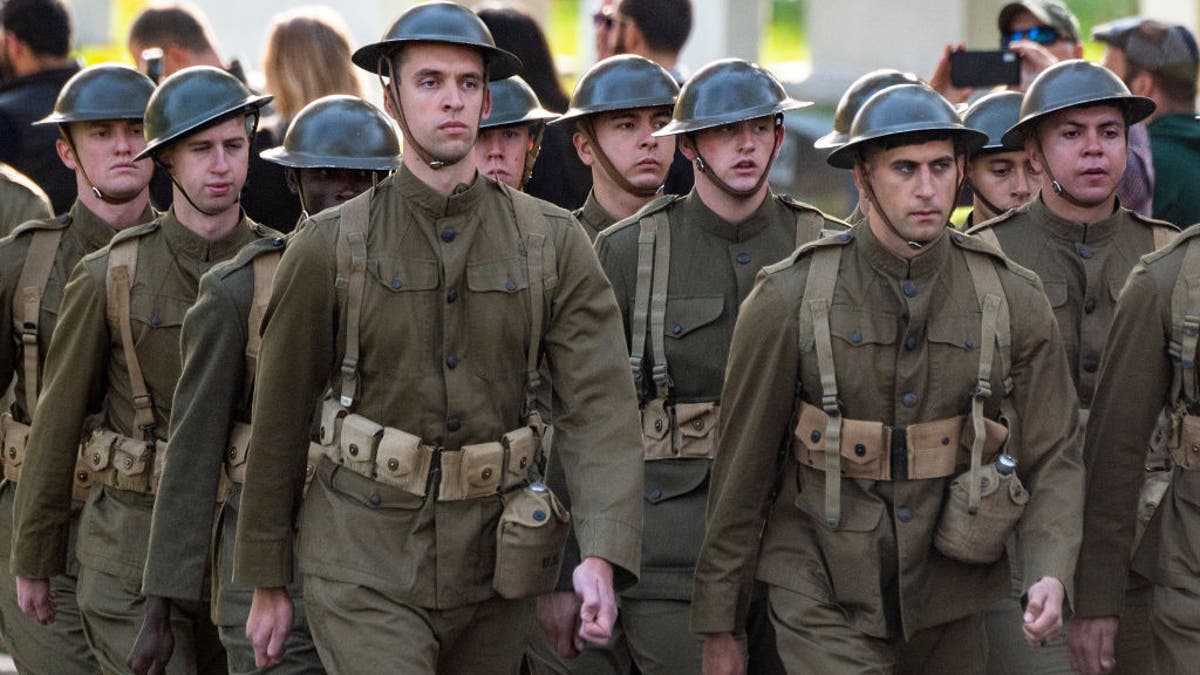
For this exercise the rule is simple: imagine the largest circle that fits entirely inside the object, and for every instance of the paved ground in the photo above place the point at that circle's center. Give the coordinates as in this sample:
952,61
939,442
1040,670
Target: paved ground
6,665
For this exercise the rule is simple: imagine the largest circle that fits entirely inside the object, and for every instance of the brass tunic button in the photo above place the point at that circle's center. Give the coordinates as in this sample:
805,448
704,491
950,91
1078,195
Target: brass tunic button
904,513
448,235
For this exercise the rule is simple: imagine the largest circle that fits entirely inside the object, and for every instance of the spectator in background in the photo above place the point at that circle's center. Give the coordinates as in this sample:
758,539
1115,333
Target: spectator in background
306,57
35,41
657,30
182,32
603,23
558,176
1159,61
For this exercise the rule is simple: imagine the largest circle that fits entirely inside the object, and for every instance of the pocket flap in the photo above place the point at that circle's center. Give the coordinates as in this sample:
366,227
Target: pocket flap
520,445
859,328
685,315
864,442
481,466
401,459
239,444
359,438
958,331
668,480
98,450
655,422
331,420
1056,292
130,455
696,420
400,275
504,276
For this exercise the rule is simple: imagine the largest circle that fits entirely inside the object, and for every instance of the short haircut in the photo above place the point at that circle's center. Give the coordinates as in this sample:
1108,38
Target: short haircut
180,24
307,56
44,25
665,24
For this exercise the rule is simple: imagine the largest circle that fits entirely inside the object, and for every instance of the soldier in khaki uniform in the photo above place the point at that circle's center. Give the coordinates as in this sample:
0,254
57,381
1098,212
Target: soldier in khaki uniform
426,306
510,139
99,112
616,107
1150,363
681,268
866,381
20,199
116,359
1082,244
349,145
1001,179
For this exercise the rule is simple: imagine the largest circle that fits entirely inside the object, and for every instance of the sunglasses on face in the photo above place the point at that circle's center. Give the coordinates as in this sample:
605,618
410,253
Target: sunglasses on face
603,19
1043,35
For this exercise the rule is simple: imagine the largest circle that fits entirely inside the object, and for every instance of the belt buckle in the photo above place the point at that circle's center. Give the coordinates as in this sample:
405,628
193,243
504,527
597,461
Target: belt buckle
898,451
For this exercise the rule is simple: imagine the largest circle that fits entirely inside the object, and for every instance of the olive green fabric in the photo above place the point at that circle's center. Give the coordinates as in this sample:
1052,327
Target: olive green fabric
300,655
1173,622
20,199
1082,268
905,338
1007,651
593,217
610,659
444,326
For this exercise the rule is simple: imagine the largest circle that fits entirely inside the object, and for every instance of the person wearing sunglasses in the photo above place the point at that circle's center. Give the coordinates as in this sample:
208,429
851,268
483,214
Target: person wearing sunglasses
603,22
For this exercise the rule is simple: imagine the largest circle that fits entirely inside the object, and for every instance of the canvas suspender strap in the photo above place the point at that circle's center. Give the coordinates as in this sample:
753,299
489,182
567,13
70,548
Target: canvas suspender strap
39,262
658,303
989,235
994,335
352,257
532,226
264,267
809,226
1185,325
122,270
1163,236
641,298
818,296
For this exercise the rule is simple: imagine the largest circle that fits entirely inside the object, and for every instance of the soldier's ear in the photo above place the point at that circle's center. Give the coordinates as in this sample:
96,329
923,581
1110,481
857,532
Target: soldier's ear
65,152
293,181
583,148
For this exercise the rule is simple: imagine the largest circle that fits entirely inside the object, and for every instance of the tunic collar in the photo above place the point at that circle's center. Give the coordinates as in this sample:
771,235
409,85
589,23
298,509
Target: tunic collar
927,264
92,230
695,213
593,216
1072,230
421,197
191,245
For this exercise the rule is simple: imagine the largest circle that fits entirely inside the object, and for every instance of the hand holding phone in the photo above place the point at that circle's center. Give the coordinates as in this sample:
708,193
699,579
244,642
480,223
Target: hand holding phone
984,68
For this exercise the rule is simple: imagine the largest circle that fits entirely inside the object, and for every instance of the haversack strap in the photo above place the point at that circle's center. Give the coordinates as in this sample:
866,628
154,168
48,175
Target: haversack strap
352,258
122,270
641,298
818,294
658,303
39,262
264,268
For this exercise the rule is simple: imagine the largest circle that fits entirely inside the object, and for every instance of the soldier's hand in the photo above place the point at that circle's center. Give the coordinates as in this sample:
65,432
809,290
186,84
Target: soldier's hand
35,600
723,655
558,614
593,581
155,643
1043,611
1090,644
268,625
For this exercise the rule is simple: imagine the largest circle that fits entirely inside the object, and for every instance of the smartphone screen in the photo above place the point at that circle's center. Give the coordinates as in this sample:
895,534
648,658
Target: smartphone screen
984,68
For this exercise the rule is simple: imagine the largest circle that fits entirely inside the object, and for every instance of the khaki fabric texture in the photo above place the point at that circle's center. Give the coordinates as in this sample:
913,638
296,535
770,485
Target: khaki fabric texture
593,217
86,373
905,338
1176,635
21,200
1082,268
300,655
444,331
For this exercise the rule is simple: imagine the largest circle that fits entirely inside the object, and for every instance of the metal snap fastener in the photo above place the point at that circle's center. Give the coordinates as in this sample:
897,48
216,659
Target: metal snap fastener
945,440
983,482
309,471
487,473
128,462
658,425
539,515
12,453
393,464
860,450
524,461
354,449
699,424
814,436
82,476
95,458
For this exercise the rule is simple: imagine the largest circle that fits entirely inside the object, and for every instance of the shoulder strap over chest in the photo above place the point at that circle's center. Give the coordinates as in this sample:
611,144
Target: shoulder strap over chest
122,270
1163,235
1185,326
31,287
814,310
650,300
539,256
809,226
264,267
995,339
352,264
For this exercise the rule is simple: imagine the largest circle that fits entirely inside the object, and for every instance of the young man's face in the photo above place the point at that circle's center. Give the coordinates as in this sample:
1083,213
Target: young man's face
1085,150
914,185
626,137
500,153
444,94
738,153
211,164
105,150
326,188
1006,179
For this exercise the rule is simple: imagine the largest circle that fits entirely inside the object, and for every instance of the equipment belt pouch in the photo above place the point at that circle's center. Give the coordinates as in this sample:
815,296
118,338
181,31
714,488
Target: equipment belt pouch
1187,452
979,538
402,460
16,437
474,471
332,414
656,430
238,451
81,481
520,449
696,426
98,449
530,539
315,452
357,443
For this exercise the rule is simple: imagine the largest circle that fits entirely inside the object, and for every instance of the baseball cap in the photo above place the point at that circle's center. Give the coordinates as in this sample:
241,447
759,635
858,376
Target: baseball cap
1167,50
1053,13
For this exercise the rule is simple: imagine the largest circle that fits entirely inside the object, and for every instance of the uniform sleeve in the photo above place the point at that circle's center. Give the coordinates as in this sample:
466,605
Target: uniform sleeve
756,407
74,380
295,362
10,271
210,385
598,427
1135,377
1048,456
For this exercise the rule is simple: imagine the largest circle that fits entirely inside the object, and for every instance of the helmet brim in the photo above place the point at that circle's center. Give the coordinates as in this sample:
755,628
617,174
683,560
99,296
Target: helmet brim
636,104
1136,109
500,63
535,115
688,126
843,156
304,160
251,104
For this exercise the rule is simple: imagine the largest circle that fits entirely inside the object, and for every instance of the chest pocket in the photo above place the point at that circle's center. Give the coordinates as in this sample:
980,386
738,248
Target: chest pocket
498,320
1056,292
152,315
409,316
954,352
861,329
862,342
686,315
398,275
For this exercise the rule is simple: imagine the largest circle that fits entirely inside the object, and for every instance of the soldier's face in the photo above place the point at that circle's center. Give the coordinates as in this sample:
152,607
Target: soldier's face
738,153
915,186
1085,150
1006,180
211,164
325,188
500,153
626,137
444,94
105,150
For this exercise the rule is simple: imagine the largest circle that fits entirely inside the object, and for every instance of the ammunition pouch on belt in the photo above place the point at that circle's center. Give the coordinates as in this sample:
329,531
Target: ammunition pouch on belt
679,430
122,462
1184,441
238,453
14,438
979,537
529,542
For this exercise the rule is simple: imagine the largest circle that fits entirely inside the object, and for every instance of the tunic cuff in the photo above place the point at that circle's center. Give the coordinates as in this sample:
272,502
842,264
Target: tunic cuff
262,564
617,542
715,608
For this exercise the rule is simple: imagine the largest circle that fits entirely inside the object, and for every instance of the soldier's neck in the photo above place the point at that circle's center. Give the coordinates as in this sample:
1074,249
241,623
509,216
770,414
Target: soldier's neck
732,209
119,216
443,180
1075,213
616,202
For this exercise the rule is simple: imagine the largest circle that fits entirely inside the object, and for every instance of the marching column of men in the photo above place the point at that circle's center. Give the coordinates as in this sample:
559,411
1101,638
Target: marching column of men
445,427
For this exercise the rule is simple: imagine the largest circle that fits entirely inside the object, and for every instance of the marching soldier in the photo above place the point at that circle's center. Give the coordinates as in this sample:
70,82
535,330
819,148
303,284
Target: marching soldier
426,306
99,114
337,147
866,382
1001,179
117,356
680,269
510,139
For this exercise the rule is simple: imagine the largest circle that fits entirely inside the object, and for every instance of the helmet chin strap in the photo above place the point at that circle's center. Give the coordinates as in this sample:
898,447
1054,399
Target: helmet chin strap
1058,187
987,204
703,167
392,91
107,199
585,126
537,133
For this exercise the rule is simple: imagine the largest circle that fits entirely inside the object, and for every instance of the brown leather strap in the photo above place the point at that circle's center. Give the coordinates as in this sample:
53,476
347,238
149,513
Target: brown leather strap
352,262
122,270
35,273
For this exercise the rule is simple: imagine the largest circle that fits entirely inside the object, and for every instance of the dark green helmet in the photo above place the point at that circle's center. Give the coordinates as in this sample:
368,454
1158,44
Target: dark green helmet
622,82
339,132
105,91
728,91
191,99
858,93
1072,83
440,22
994,114
903,109
513,102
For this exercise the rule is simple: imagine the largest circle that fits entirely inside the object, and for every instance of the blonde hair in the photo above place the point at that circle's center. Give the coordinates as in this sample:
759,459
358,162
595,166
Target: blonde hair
307,56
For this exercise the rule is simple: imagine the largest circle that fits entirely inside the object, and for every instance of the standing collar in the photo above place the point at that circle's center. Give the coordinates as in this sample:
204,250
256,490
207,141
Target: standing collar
1073,230
189,244
93,230
424,198
927,264
697,214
